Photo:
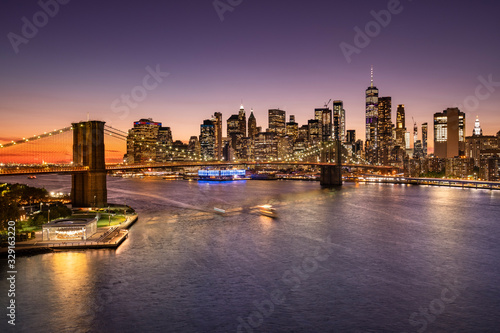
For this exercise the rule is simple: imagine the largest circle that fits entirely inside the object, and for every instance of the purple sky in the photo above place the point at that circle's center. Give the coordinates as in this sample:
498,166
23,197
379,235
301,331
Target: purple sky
267,53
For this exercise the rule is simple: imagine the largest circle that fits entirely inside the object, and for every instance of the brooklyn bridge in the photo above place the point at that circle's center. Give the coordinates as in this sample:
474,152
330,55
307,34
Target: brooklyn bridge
87,141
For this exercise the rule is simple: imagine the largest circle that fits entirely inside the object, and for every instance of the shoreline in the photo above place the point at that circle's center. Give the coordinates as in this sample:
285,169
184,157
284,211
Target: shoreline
113,240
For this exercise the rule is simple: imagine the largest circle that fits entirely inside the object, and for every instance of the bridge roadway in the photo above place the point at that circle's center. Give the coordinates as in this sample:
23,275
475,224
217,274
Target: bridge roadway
33,170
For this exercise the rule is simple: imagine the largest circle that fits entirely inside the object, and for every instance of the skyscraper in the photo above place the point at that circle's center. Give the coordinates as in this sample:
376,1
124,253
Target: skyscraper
339,121
477,131
234,132
292,129
277,120
324,117
164,141
384,129
242,119
252,126
372,139
400,126
194,146
217,120
314,131
207,139
351,136
142,141
449,129
425,130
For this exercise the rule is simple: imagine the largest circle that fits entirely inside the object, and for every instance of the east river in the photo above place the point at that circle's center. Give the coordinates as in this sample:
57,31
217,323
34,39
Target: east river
366,258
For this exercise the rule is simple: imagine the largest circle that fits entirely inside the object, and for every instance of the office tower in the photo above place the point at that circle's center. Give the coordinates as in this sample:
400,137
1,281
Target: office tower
266,146
324,117
292,129
252,126
142,141
277,120
351,136
415,134
207,139
400,126
233,131
304,133
384,129
407,140
164,141
314,131
449,129
339,121
242,121
217,120
477,131
194,147
425,130
372,139
481,148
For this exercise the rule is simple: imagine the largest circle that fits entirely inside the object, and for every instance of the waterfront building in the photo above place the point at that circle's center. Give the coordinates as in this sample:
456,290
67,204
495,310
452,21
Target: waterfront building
163,153
207,139
481,147
69,229
142,141
449,130
460,167
194,146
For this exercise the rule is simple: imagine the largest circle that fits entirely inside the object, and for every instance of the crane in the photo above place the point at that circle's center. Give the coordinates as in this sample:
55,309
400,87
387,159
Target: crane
326,105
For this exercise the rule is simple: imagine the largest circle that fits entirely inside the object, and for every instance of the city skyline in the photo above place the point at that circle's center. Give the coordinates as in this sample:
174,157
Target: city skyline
71,68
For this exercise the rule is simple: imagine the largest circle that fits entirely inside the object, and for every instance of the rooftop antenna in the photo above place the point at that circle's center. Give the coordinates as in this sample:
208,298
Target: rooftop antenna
371,77
88,116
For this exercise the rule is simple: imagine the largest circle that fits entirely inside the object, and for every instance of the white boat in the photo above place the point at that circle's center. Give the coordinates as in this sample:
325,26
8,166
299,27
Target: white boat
268,210
219,211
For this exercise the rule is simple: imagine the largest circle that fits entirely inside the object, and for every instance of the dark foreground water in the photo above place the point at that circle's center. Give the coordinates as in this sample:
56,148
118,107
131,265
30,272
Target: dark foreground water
367,258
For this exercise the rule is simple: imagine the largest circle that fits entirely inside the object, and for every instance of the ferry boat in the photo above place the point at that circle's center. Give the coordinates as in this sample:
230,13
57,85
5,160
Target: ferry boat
222,175
32,177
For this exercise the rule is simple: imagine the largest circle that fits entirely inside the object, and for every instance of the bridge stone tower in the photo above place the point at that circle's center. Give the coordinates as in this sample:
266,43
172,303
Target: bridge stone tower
89,187
331,175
